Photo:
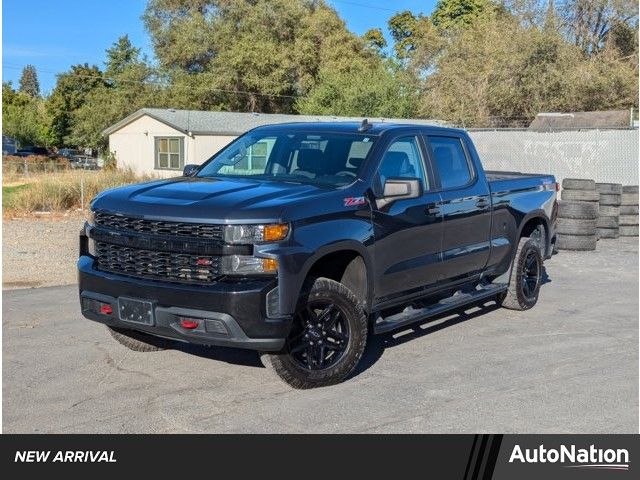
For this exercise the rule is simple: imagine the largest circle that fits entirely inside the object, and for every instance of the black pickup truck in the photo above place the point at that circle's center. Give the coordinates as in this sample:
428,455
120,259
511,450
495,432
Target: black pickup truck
300,240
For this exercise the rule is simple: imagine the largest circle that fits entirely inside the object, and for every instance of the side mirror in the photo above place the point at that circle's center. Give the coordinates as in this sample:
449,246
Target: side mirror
399,189
190,170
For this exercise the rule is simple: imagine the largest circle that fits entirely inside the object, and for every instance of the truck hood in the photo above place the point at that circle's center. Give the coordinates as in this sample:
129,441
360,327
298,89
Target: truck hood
211,200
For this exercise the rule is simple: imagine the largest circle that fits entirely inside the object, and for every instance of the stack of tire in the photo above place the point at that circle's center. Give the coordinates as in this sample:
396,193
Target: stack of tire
629,211
578,215
609,214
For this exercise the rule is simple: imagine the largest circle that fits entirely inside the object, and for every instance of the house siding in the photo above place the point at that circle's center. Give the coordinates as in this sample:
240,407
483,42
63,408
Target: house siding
134,146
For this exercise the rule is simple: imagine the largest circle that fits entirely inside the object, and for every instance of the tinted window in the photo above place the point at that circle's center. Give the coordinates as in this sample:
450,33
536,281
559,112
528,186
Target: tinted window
331,159
450,162
402,160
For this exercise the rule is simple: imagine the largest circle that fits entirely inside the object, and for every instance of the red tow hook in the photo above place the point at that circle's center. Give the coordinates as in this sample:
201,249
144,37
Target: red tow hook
189,323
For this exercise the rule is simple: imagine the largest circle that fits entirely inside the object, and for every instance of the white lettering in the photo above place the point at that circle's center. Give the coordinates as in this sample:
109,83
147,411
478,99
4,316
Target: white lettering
516,454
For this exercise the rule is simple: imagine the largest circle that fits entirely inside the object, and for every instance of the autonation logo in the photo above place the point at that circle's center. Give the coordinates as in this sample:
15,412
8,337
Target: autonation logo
592,457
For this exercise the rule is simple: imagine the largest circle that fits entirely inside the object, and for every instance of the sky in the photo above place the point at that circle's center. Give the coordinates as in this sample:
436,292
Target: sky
53,35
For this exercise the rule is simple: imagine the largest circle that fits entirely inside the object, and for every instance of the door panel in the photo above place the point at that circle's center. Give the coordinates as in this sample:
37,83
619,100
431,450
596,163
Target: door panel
408,232
466,209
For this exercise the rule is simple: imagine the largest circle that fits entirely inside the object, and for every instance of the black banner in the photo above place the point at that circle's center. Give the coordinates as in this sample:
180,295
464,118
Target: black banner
467,457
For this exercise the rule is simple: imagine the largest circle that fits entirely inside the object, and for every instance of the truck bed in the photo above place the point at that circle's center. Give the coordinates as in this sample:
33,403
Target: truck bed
501,181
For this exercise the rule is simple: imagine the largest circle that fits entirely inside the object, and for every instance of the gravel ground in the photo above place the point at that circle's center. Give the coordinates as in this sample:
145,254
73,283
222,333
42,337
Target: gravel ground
40,252
568,365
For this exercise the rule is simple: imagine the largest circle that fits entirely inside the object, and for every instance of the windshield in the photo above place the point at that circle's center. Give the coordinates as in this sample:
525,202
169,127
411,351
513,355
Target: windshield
332,159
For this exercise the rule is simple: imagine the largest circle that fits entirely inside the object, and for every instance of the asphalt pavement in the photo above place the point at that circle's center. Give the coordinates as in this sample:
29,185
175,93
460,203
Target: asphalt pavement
568,365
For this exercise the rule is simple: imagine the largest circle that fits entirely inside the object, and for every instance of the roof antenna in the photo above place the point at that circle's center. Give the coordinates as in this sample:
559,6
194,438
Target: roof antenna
364,126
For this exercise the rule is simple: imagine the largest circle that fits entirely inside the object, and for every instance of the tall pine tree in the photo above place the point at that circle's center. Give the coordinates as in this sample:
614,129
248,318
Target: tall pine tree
29,81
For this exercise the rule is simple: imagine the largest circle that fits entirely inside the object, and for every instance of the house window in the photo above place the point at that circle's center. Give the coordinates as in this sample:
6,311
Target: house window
169,153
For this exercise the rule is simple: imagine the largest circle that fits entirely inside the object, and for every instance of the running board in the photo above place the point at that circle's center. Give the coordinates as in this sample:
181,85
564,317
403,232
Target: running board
411,315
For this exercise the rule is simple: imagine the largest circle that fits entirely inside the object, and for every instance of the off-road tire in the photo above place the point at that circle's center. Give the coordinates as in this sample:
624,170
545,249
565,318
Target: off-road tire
630,189
138,341
514,298
629,199
608,232
628,231
610,199
579,210
578,184
296,376
577,242
609,188
607,222
608,211
628,220
628,209
573,226
580,195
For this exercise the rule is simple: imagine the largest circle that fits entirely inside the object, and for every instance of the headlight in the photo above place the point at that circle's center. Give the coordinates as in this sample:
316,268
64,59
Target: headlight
248,234
248,265
90,216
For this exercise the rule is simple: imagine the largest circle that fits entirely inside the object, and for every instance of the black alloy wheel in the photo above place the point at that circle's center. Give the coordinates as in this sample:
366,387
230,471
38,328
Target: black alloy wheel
530,277
321,335
327,339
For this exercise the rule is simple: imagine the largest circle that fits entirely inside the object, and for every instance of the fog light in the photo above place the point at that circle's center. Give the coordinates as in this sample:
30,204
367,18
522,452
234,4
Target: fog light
273,303
189,323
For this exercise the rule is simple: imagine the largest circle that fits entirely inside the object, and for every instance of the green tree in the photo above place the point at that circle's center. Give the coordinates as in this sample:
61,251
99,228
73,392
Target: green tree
374,38
121,56
29,81
69,94
128,85
257,55
24,117
367,90
460,13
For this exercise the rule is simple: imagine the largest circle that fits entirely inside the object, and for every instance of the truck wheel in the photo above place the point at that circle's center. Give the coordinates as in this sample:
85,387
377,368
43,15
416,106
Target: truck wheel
327,339
526,276
138,341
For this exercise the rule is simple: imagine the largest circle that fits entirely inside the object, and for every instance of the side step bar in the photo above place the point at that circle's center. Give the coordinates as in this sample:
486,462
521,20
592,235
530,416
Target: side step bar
411,315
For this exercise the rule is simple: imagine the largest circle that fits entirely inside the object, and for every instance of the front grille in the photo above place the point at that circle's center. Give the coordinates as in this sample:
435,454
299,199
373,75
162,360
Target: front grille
166,266
158,227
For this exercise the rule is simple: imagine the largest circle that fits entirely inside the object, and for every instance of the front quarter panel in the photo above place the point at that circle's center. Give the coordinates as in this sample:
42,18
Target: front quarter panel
312,239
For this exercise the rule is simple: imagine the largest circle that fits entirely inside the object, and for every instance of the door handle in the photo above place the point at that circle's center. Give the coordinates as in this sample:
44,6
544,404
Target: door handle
432,210
482,203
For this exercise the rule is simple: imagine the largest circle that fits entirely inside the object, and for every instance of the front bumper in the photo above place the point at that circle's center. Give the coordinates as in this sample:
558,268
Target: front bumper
232,313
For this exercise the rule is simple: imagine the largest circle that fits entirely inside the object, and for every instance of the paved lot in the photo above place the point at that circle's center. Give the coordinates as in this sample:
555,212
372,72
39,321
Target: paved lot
568,365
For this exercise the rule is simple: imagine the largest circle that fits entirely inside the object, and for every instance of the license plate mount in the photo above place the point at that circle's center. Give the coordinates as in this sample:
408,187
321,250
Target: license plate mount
135,311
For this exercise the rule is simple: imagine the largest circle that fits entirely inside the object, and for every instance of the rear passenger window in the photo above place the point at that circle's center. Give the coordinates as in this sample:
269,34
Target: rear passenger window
450,162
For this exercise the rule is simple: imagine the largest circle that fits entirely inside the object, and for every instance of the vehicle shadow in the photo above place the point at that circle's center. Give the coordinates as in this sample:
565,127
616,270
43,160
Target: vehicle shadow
377,344
235,356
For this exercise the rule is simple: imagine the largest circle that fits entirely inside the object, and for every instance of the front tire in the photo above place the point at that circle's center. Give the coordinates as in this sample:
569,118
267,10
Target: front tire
526,277
327,339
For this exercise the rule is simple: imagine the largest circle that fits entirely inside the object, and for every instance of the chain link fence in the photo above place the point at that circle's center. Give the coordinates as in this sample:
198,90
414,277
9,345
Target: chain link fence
602,155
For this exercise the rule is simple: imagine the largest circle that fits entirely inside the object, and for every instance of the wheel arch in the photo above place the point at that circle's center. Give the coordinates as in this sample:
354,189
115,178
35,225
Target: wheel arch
348,263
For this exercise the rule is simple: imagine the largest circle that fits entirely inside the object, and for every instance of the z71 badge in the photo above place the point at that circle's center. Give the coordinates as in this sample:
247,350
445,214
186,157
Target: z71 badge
353,201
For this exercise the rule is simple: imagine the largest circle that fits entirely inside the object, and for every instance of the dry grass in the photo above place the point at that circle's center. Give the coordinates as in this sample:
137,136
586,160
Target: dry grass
63,191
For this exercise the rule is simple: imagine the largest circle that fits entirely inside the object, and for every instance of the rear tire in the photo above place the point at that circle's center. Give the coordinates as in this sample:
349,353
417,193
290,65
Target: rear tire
526,276
327,340
138,341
